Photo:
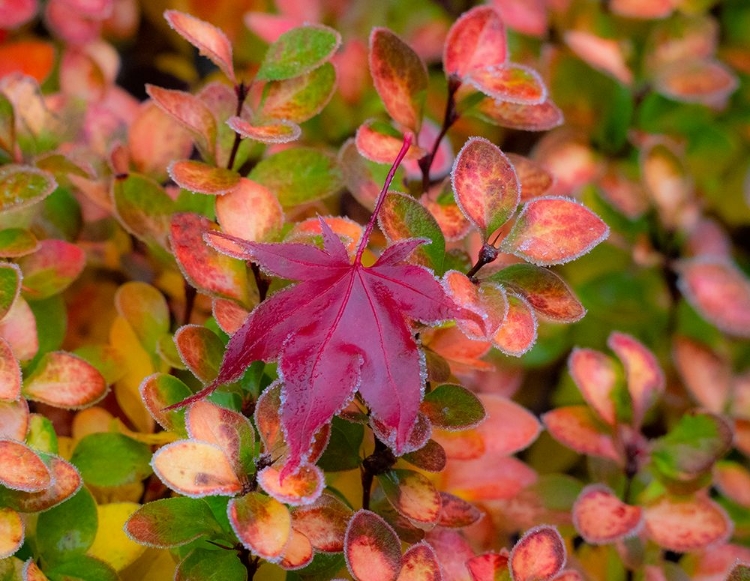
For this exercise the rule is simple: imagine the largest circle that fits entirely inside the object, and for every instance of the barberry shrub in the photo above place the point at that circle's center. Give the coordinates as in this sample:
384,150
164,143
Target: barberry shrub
267,324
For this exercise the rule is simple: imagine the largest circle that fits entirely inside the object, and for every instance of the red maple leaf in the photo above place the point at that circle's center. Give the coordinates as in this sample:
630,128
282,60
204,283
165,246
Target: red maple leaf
342,328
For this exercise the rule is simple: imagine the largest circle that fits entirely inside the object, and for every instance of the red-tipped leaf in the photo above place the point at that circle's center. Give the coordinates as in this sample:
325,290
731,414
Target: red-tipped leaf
371,548
539,554
600,517
208,39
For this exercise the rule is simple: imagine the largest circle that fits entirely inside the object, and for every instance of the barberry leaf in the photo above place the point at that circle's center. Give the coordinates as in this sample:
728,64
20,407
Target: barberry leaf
299,98
210,563
485,184
552,230
22,469
51,269
411,494
645,9
274,131
509,82
705,81
420,563
509,427
539,554
324,523
208,39
719,292
489,477
200,350
359,313
430,457
596,376
111,459
161,390
143,207
456,512
11,532
600,517
707,377
10,374
64,380
517,334
733,480
303,487
453,407
249,211
643,373
171,522
15,242
489,566
298,175
197,176
65,482
404,217
476,40
262,524
298,51
14,419
578,429
298,552
400,78
23,185
380,142
546,292
541,117
372,549
683,525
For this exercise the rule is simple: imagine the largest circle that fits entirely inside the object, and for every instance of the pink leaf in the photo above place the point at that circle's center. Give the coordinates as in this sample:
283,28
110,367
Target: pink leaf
249,211
155,138
281,131
420,564
526,16
541,117
21,468
576,428
489,477
687,525
298,552
486,185
719,292
14,419
196,469
554,230
509,82
509,427
14,13
596,375
475,40
602,54
371,548
600,517
10,374
51,269
380,143
707,377
645,9
733,480
65,380
644,374
229,315
18,328
539,554
517,334
697,81
203,178
262,524
209,40
354,327
400,78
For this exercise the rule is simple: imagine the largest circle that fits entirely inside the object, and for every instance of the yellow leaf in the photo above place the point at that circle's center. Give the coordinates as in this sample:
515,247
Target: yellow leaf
153,564
111,543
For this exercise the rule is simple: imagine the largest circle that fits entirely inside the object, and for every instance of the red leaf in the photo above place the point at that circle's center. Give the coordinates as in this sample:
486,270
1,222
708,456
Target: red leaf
539,554
600,517
486,185
420,564
596,376
554,230
371,548
719,292
644,374
488,566
457,513
354,334
541,117
510,82
400,78
21,468
576,428
687,525
476,40
707,376
209,40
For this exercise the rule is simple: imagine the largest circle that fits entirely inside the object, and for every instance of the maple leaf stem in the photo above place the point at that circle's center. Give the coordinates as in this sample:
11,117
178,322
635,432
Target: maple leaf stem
408,137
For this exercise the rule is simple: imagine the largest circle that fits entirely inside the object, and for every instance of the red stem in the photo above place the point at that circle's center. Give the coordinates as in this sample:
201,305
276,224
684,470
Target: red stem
381,198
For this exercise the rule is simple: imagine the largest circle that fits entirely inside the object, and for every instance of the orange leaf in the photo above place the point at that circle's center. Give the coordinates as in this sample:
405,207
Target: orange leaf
697,81
371,548
645,9
534,178
277,131
21,468
600,517
65,482
488,478
302,487
509,427
538,555
420,563
541,117
411,494
11,532
208,39
196,469
66,381
400,78
456,512
509,82
719,292
324,522
733,480
380,143
475,40
249,211
687,525
517,334
554,230
201,177
28,57
576,428
200,350
262,524
298,552
602,54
